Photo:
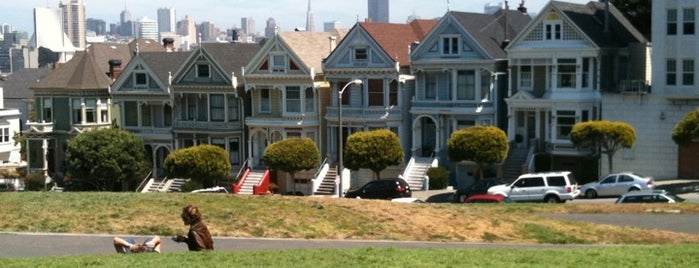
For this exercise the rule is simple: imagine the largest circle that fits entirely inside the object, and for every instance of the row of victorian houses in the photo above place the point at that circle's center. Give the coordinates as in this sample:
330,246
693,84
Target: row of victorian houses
533,77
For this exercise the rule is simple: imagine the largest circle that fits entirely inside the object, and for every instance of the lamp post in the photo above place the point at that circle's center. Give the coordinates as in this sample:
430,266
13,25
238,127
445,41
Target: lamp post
339,120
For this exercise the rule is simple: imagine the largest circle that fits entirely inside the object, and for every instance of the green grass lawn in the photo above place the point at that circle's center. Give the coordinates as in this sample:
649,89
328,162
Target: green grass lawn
628,256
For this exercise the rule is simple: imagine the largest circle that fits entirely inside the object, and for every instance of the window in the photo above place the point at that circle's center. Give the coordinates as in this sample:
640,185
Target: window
202,106
671,21
77,114
5,135
530,182
552,30
688,23
191,104
556,181
625,178
310,101
566,73
688,72
375,92
233,112
218,107
278,63
564,123
485,86
131,113
46,110
430,86
146,115
234,151
586,73
525,77
466,85
450,45
140,80
264,101
671,72
293,99
203,71
167,114
610,179
361,54
91,110
393,93
347,93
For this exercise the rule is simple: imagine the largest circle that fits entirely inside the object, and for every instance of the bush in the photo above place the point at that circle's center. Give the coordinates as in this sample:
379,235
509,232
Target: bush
439,177
35,182
191,185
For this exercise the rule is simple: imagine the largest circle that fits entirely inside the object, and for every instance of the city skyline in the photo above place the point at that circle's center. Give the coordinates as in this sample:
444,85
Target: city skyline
289,14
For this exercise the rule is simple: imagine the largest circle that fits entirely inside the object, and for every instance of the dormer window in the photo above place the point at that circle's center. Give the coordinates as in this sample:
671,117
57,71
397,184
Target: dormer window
450,45
278,63
552,30
203,71
361,54
140,80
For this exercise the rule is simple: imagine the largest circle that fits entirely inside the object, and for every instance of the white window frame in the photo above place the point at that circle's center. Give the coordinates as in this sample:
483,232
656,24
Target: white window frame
265,104
199,72
448,43
289,102
136,83
360,56
553,30
278,68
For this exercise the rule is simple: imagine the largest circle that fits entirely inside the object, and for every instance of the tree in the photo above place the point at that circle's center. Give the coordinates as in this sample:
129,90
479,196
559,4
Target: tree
687,130
375,150
605,136
98,159
292,155
483,145
638,12
205,164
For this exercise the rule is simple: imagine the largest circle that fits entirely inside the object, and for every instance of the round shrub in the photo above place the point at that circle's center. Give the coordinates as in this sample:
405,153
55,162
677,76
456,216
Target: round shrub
439,177
35,182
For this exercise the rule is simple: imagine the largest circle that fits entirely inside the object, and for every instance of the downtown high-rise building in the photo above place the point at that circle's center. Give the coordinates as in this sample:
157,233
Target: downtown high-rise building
247,25
167,20
147,29
272,28
309,19
74,21
378,10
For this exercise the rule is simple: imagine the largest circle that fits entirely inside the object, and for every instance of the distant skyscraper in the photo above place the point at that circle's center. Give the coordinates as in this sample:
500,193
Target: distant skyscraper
378,10
271,28
187,28
166,20
74,21
6,28
309,19
247,25
125,16
331,25
147,29
208,31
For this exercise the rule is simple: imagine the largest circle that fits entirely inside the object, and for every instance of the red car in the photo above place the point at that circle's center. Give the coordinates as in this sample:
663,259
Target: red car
489,198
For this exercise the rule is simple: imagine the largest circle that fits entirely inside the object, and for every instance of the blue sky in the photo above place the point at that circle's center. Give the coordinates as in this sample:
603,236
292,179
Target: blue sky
225,14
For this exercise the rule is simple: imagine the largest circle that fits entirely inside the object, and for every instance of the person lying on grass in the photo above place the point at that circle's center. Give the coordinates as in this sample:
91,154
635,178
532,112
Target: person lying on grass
129,245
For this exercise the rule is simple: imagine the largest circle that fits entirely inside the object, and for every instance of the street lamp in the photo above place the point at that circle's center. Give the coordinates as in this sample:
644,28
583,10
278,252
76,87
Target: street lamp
339,120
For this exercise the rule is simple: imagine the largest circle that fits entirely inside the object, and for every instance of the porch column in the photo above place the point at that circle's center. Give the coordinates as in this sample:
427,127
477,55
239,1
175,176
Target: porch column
511,127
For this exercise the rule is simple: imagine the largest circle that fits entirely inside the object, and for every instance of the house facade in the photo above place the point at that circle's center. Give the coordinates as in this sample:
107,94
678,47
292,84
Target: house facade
460,70
674,94
142,101
560,65
378,55
287,90
207,100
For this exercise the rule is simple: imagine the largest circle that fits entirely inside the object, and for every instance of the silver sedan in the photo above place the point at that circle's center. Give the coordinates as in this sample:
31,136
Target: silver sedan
617,184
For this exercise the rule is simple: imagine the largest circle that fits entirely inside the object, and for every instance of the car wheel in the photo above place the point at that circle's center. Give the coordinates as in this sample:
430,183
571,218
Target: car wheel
590,194
551,199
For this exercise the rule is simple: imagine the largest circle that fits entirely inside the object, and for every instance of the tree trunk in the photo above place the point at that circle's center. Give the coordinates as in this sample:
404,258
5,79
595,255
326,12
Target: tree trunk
293,183
610,157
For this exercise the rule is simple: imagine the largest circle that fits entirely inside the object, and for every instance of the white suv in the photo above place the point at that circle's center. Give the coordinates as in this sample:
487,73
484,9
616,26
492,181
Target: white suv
550,187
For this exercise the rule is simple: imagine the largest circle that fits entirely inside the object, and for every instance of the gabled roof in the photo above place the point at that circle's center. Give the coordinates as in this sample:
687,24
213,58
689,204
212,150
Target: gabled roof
80,73
103,53
164,64
590,19
395,39
492,31
231,57
18,83
311,47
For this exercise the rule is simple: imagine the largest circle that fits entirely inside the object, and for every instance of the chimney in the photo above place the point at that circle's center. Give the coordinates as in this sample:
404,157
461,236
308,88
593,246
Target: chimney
114,69
333,43
169,44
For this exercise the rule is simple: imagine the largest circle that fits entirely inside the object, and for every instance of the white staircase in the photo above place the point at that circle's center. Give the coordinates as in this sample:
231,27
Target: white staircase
327,186
253,178
415,172
164,185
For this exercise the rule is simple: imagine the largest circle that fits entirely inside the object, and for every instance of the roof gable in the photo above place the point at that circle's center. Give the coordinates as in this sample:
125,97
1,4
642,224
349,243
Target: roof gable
158,67
395,39
224,59
261,65
580,25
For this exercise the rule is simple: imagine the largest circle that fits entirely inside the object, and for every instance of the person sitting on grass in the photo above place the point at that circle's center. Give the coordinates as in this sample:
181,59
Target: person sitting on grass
198,237
152,244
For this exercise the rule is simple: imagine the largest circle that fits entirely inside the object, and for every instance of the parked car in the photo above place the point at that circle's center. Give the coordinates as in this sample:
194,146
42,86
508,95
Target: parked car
407,200
489,198
617,184
549,187
652,196
478,187
382,189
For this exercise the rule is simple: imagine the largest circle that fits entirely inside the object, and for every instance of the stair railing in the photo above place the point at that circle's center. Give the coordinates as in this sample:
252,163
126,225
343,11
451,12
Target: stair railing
320,174
530,158
408,168
262,188
144,182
